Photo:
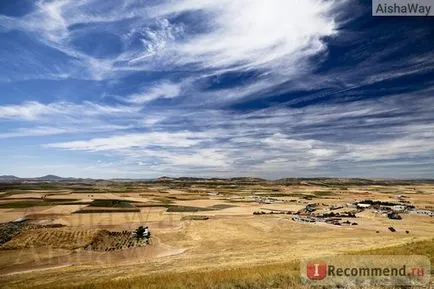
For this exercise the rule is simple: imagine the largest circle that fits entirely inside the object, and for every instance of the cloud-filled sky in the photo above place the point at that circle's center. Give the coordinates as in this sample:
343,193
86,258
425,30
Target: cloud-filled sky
221,88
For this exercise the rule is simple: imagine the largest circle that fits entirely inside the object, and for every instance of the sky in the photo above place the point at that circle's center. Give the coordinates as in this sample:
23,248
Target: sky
214,88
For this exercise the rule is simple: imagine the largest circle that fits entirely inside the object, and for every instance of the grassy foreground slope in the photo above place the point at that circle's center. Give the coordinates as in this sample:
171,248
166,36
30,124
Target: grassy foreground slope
257,277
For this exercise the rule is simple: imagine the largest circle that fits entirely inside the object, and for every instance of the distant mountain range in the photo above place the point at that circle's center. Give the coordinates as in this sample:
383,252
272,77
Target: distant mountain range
43,178
8,178
237,180
294,181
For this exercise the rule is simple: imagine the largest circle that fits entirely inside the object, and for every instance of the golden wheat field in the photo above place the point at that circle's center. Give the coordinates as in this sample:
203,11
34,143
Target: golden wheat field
232,232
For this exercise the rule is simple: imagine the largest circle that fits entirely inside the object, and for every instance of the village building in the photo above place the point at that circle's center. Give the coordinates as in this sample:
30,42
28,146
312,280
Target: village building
423,212
303,219
364,206
399,208
335,207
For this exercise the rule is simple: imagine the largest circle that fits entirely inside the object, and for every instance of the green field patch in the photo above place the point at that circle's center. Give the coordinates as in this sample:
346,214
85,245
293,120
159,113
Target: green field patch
90,210
111,204
181,209
164,201
323,193
35,203
152,205
220,207
240,201
108,206
195,218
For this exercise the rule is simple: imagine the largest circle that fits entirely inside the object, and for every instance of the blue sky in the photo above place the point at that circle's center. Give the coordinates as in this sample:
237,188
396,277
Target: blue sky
276,88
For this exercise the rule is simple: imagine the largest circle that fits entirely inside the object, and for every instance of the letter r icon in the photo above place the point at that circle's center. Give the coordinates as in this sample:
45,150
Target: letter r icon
316,270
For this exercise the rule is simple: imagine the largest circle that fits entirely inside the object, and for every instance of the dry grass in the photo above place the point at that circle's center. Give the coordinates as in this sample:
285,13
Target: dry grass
231,238
110,241
425,248
284,275
27,203
65,238
195,218
53,238
269,276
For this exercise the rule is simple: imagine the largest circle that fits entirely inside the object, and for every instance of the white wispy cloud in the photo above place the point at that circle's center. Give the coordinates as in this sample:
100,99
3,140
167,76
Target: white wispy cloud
134,141
37,131
32,110
272,40
161,90
276,140
243,35
272,37
63,129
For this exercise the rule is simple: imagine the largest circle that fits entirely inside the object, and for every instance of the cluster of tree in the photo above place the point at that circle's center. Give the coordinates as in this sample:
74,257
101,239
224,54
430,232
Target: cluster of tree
142,233
273,212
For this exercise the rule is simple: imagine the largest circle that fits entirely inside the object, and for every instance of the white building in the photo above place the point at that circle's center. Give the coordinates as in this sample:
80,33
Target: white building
423,212
399,208
363,206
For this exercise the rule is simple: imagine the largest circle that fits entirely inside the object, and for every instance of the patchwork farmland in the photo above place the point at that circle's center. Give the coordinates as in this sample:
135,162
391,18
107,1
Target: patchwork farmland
64,230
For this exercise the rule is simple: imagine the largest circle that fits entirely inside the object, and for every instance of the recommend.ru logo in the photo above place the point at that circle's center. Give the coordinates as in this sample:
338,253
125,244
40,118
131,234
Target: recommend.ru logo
412,270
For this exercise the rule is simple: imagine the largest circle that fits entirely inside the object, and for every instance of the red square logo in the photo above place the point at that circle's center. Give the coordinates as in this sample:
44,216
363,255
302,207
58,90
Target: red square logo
316,270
